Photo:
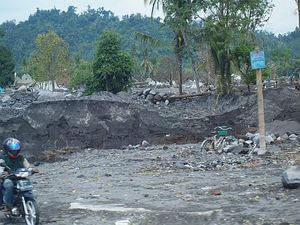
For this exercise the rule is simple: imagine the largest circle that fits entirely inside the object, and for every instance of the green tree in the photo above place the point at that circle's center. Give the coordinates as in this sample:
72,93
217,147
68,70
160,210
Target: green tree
50,61
7,65
83,73
282,58
178,14
112,68
166,69
241,59
227,20
148,41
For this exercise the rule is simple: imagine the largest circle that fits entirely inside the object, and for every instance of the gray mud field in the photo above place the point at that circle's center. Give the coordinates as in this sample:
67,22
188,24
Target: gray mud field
174,184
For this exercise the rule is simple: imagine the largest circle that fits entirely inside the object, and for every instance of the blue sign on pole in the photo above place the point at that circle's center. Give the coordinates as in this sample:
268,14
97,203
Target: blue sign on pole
257,60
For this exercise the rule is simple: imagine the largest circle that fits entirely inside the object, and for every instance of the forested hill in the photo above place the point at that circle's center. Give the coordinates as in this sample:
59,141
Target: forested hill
81,31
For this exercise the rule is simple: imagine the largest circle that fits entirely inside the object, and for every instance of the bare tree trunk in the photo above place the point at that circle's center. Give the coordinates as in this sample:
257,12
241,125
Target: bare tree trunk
53,84
179,57
179,66
192,61
195,74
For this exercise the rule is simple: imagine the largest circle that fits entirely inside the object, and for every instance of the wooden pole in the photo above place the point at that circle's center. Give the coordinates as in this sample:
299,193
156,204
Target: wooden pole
261,115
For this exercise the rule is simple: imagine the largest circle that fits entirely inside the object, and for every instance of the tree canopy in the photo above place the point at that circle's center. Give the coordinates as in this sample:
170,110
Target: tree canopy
7,65
112,67
50,61
191,33
227,22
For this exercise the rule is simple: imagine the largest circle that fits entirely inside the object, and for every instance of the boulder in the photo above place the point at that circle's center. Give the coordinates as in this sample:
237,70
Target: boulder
291,177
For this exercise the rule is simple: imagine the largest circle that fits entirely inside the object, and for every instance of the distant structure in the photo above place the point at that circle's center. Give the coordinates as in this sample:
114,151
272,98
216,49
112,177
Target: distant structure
25,80
47,85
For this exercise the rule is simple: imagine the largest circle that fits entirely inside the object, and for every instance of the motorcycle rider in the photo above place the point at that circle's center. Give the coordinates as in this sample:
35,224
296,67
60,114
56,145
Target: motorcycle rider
13,161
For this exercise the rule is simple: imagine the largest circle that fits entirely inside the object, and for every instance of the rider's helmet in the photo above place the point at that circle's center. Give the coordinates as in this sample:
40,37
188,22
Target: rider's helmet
12,146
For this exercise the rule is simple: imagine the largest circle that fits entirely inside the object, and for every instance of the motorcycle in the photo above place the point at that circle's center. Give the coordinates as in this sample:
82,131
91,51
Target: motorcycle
24,205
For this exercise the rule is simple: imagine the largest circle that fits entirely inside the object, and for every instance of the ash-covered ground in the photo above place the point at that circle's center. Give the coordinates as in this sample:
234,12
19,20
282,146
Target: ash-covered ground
169,183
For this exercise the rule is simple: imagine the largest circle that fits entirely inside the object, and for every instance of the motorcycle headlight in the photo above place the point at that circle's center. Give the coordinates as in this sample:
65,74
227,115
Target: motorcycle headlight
22,174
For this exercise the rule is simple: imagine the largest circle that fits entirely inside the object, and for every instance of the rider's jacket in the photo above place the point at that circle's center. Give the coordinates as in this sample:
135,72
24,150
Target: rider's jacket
12,164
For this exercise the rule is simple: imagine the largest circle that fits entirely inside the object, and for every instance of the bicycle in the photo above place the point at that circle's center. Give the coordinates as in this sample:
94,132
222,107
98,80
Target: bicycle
217,142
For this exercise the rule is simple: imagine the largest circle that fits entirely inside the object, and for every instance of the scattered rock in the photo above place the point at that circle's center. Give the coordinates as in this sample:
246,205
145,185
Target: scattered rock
291,177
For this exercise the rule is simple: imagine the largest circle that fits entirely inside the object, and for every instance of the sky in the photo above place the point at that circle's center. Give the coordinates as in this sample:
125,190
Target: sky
283,18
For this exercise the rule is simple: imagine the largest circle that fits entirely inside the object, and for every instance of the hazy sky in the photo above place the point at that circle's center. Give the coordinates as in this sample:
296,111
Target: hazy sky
283,18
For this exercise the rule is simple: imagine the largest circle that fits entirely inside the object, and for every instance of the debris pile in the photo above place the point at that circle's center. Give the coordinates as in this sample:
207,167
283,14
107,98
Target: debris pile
155,97
19,99
248,145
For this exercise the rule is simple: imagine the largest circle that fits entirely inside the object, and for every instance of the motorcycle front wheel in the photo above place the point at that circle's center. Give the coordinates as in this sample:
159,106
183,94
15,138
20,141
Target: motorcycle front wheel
33,215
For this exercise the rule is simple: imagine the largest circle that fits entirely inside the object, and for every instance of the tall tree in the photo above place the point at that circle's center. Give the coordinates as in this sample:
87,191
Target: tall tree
1,33
227,20
241,59
178,14
282,58
50,61
83,73
147,42
7,65
112,67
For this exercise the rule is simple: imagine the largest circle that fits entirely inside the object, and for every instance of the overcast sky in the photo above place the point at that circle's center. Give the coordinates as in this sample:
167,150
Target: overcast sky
283,19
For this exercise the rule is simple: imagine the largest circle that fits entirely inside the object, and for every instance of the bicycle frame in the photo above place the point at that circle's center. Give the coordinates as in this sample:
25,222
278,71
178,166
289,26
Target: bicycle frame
218,142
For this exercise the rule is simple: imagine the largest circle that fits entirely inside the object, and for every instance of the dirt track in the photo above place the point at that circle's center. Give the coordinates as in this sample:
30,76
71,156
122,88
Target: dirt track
167,185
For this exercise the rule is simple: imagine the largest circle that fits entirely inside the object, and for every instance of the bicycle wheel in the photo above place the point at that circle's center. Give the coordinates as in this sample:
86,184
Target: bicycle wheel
207,145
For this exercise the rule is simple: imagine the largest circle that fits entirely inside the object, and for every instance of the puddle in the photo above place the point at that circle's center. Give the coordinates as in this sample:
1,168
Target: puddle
123,222
110,208
121,208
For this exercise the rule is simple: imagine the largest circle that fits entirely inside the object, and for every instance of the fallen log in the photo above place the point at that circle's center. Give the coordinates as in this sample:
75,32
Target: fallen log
186,96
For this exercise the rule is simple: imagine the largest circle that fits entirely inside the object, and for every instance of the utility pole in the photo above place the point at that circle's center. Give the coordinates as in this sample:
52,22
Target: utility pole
261,113
258,63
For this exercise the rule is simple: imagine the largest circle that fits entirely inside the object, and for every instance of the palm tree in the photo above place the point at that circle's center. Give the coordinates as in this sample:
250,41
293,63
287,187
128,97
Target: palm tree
178,14
146,63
